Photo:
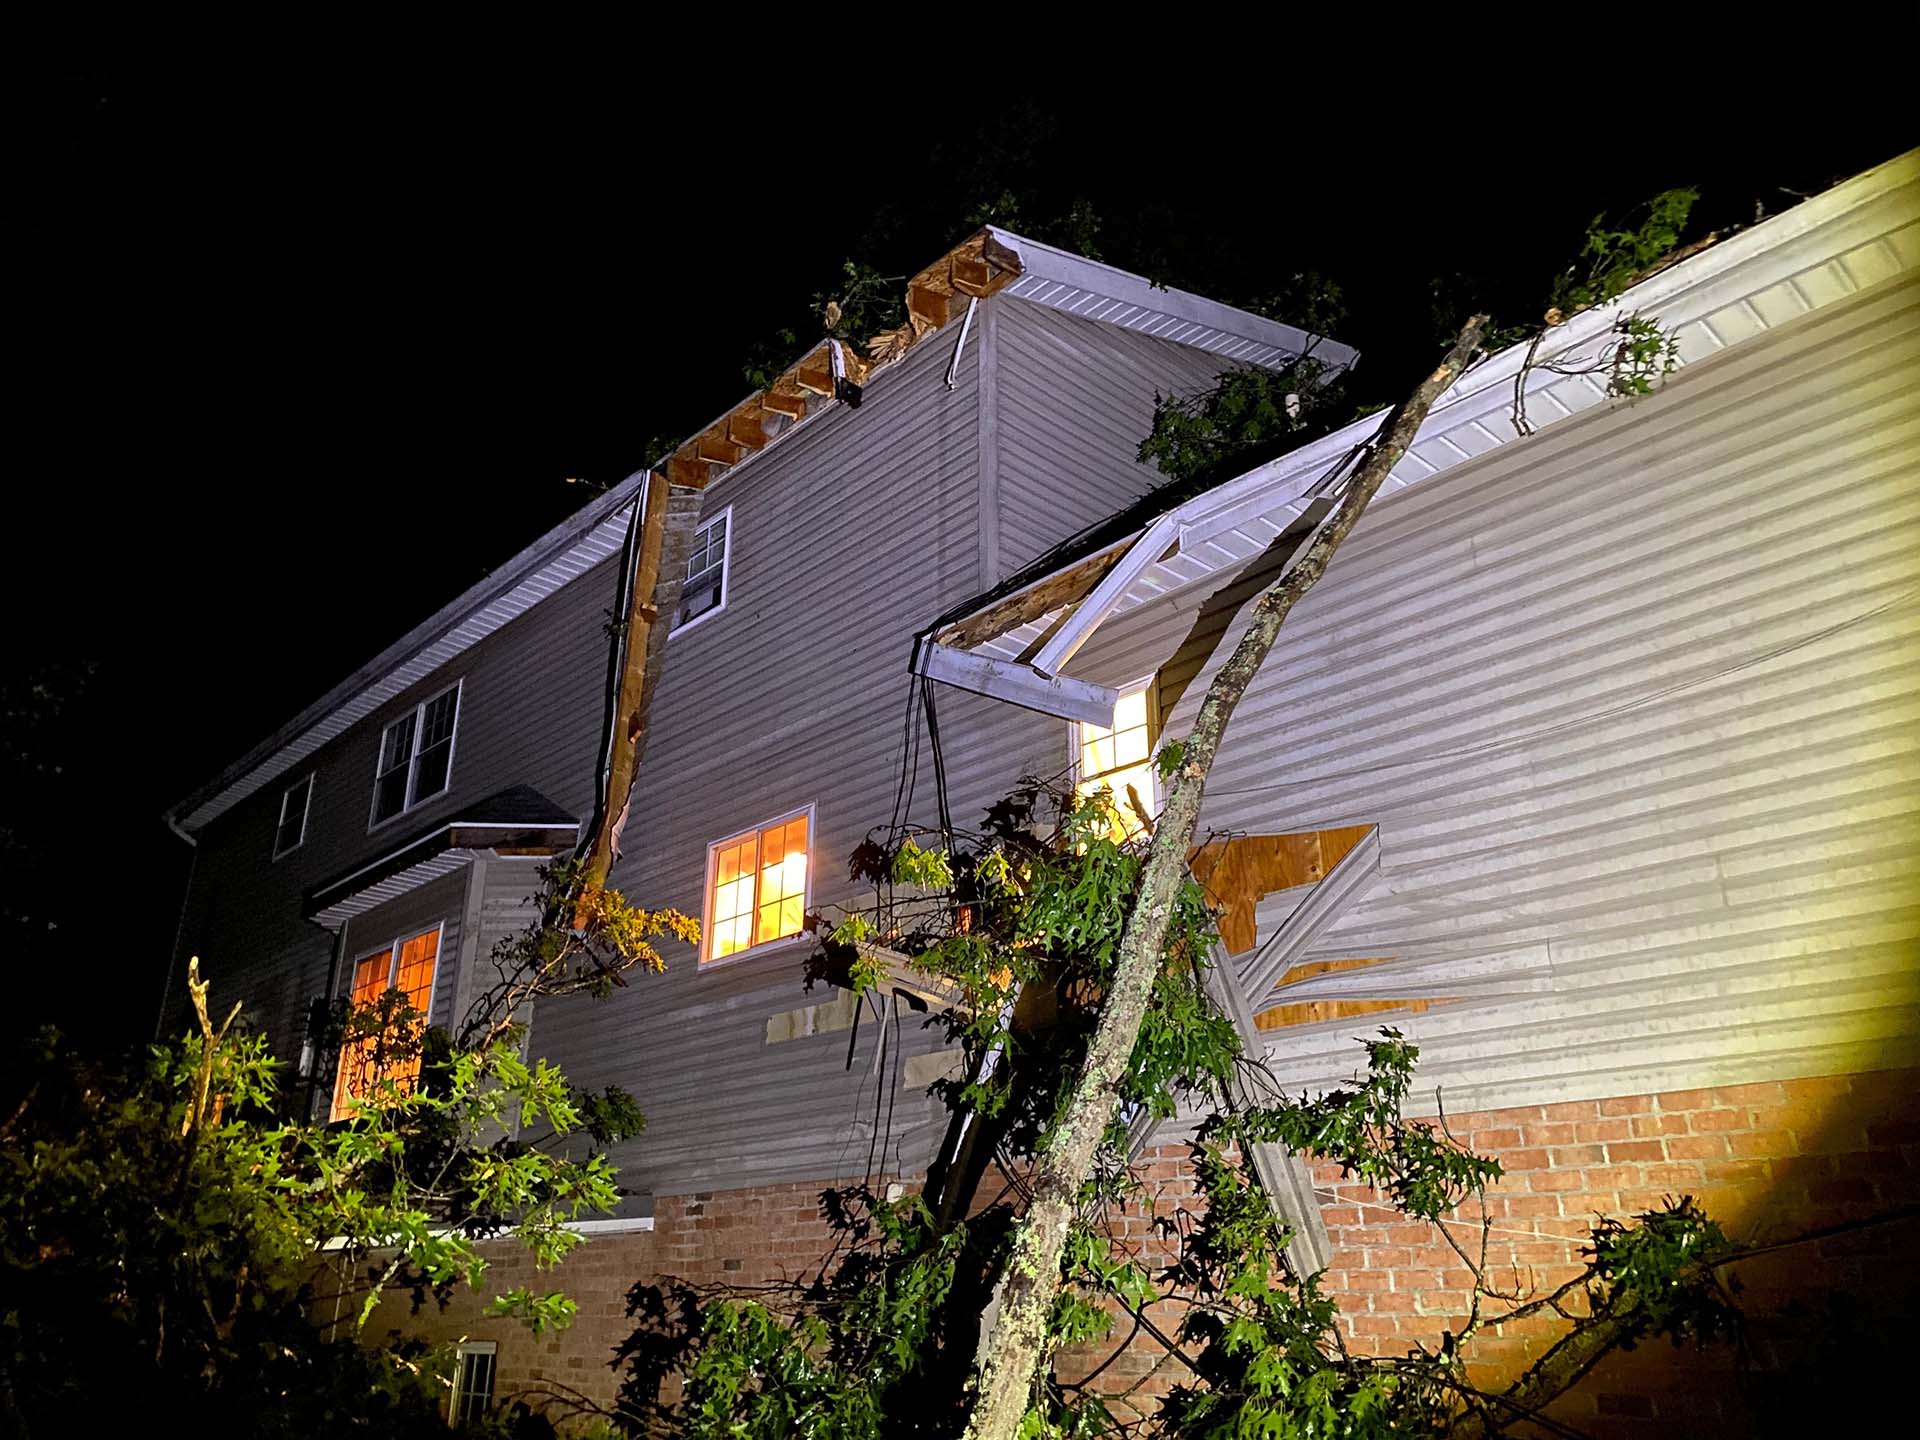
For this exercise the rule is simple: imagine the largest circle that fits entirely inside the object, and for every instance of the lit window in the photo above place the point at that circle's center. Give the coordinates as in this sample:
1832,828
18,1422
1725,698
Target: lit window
1119,759
705,590
473,1371
292,828
756,886
407,966
416,756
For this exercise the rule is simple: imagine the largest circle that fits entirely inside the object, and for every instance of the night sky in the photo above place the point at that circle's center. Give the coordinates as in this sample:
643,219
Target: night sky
294,360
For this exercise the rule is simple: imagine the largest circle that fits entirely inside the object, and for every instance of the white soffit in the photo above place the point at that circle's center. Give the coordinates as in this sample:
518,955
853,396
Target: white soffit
1857,234
1086,288
550,563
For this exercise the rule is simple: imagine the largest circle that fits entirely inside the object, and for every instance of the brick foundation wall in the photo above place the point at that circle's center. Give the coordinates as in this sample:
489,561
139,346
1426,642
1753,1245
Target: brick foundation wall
1767,1160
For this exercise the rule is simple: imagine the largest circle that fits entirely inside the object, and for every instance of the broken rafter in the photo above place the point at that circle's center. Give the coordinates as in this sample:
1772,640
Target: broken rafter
977,267
1036,600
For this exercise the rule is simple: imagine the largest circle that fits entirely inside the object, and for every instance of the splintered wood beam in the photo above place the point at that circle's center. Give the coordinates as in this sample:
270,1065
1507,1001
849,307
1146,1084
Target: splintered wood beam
1023,606
746,427
970,275
1241,871
715,447
688,471
927,307
630,698
785,399
1018,684
815,372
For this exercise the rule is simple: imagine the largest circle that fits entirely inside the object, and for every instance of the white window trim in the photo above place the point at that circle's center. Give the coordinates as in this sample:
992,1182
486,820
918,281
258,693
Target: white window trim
726,574
393,973
460,1352
1155,735
306,813
765,947
374,822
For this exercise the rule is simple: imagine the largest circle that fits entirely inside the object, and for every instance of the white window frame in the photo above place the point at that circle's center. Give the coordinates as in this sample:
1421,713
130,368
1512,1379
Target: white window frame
458,1394
306,812
1155,735
708,960
419,712
726,571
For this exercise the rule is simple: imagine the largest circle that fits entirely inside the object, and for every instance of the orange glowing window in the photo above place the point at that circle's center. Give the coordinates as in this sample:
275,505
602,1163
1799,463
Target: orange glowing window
407,966
1119,759
756,886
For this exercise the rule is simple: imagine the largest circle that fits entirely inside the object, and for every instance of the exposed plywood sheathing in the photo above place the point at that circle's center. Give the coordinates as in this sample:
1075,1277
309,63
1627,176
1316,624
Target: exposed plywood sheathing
1308,1012
1240,871
1064,588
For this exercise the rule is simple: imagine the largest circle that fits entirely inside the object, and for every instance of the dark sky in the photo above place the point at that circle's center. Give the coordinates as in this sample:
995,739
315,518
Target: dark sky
292,360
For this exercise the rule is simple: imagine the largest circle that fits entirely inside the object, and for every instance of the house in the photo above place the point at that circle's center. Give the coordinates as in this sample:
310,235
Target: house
1591,763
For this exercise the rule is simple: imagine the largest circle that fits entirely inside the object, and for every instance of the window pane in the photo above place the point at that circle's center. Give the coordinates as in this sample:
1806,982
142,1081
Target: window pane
396,744
439,719
1124,786
293,817
414,974
1129,742
732,908
390,794
783,880
430,772
371,978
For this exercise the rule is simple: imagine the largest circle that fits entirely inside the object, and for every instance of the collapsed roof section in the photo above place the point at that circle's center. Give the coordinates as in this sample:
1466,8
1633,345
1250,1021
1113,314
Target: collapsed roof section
989,262
1013,642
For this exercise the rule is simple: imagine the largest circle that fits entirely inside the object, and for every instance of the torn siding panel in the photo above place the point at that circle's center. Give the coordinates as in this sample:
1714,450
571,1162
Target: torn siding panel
1637,706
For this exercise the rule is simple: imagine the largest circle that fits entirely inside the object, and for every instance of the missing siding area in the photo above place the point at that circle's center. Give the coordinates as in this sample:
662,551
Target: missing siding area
1238,873
1310,1012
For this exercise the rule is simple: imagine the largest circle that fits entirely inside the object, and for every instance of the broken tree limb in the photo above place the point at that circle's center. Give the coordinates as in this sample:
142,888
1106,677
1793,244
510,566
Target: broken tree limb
668,515
1014,1344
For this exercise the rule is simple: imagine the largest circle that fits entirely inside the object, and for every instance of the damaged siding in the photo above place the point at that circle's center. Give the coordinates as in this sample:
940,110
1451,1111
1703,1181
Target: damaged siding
843,538
1636,704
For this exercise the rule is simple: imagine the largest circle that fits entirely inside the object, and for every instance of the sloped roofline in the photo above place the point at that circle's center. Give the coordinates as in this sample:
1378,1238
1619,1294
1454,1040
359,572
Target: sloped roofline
1835,244
990,261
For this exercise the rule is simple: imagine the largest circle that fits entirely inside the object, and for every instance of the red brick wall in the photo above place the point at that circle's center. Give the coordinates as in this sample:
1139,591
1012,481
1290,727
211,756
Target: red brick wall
1768,1161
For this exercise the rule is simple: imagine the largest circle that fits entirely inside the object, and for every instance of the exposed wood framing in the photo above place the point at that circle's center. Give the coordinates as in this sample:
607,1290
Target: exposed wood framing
1043,596
1241,871
1017,684
977,267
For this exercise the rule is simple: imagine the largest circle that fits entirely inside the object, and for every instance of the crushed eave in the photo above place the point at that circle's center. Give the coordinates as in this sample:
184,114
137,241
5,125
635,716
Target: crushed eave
1824,249
978,267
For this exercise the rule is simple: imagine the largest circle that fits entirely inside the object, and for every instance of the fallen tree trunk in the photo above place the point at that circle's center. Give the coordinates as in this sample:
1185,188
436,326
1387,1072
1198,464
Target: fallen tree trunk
1014,1343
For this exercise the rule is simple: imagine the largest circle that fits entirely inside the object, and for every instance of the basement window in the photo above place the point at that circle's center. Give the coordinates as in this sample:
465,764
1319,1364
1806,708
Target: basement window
416,755
705,590
475,1362
1119,760
291,832
757,885
408,966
